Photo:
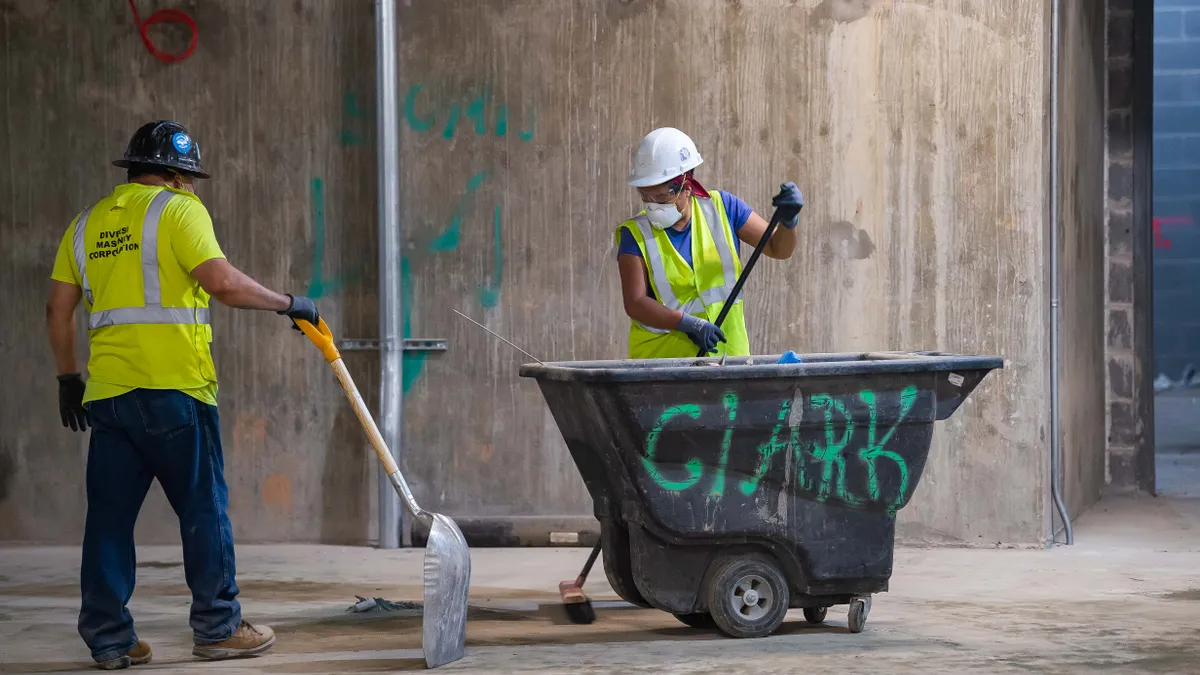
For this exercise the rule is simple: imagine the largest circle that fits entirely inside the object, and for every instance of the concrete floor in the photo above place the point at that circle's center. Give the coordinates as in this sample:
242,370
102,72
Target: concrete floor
1125,598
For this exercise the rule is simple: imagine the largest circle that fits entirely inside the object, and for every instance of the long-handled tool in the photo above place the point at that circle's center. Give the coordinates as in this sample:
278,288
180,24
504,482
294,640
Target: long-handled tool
575,601
447,559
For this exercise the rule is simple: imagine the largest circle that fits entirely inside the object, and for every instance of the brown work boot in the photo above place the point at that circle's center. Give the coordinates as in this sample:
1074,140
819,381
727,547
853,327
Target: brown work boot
247,640
135,657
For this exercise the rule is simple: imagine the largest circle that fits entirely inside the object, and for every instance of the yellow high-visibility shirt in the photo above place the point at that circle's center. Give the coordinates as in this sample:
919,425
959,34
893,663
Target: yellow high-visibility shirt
131,348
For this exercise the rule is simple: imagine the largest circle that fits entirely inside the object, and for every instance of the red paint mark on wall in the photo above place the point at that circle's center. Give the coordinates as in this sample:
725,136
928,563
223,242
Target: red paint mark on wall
1159,240
277,493
249,431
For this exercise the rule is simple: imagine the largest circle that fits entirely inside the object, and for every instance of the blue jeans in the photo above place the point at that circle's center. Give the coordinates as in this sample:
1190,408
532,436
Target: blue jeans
137,437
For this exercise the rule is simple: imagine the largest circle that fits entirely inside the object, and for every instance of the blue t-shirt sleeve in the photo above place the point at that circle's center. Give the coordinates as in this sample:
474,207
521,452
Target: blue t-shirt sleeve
628,244
737,210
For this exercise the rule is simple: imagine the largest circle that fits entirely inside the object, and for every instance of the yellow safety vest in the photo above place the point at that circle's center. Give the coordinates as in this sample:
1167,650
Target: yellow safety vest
699,290
149,324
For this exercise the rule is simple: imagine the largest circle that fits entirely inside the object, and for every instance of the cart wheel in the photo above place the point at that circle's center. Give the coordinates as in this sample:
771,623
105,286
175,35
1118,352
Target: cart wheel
859,608
815,614
748,596
699,620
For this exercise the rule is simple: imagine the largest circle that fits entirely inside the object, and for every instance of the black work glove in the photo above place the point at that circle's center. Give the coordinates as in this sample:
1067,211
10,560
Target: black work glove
705,334
303,309
789,201
70,402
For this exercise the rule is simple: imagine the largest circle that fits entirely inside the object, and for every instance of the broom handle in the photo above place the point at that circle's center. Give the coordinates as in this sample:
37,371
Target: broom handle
587,567
741,280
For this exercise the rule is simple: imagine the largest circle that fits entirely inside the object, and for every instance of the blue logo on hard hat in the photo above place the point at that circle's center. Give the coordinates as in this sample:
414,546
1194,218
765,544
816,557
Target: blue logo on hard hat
181,142
684,154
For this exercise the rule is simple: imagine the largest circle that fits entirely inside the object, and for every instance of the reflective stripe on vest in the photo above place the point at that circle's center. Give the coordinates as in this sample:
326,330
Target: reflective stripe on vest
658,270
152,312
720,235
658,276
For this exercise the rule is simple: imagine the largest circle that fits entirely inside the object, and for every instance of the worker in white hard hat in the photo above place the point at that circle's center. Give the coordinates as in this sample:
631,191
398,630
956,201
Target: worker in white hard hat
678,257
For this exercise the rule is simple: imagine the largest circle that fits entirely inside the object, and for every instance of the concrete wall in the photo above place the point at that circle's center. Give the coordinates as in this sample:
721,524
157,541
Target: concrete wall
1081,252
1176,184
916,130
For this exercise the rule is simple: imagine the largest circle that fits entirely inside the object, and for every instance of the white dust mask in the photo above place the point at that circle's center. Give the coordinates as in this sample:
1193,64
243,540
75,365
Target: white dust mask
662,216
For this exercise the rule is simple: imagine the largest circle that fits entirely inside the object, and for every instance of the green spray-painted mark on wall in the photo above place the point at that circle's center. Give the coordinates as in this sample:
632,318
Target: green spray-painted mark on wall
832,448
318,285
527,134
415,122
414,361
477,110
489,293
421,118
354,127
449,240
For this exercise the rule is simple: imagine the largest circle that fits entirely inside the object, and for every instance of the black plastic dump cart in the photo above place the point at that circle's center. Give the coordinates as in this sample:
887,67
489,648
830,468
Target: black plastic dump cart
729,493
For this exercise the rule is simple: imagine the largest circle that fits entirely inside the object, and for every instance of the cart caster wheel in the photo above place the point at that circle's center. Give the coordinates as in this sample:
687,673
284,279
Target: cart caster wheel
859,608
699,620
815,614
748,596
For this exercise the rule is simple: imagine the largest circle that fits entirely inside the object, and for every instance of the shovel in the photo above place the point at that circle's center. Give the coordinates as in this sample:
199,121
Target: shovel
447,558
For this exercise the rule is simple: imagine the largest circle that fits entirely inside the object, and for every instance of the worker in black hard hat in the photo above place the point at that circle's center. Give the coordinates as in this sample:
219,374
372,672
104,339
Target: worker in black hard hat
145,261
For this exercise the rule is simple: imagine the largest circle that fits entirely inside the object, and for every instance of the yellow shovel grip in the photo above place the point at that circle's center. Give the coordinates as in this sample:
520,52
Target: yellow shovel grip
322,337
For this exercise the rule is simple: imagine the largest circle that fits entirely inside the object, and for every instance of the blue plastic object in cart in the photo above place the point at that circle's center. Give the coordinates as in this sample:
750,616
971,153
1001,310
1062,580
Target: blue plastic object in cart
790,357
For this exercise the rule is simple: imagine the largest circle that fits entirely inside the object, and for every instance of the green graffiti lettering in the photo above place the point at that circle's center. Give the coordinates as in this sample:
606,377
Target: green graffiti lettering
833,469
502,120
831,482
527,134
415,122
730,400
876,448
477,111
413,361
452,123
318,285
766,451
350,107
489,293
694,467
448,240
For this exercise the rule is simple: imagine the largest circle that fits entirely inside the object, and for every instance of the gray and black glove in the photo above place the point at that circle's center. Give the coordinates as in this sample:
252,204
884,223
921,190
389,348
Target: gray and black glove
70,402
301,309
705,334
789,201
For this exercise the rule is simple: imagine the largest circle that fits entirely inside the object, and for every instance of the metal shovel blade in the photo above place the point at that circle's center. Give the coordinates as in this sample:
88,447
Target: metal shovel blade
447,558
447,582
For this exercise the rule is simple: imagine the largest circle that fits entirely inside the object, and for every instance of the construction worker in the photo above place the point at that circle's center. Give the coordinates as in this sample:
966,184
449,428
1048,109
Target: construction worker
675,277
145,261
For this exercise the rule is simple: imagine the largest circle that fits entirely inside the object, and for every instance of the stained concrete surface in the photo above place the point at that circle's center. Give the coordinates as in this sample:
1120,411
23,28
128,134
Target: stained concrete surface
1125,598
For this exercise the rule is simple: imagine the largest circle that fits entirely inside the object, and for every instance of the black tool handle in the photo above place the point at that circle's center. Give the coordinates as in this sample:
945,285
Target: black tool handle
587,567
776,218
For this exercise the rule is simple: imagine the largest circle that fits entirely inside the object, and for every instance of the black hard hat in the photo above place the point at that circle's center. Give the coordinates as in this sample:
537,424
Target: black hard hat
163,143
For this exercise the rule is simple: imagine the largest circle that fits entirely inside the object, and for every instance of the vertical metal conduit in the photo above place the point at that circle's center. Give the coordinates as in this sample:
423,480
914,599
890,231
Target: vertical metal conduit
1055,285
391,328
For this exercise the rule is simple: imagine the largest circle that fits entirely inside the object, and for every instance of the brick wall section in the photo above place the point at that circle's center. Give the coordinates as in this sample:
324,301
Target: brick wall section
1128,376
1176,184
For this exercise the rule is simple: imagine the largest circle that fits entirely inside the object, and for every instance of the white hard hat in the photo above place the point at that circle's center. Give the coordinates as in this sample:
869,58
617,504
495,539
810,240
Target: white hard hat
663,154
